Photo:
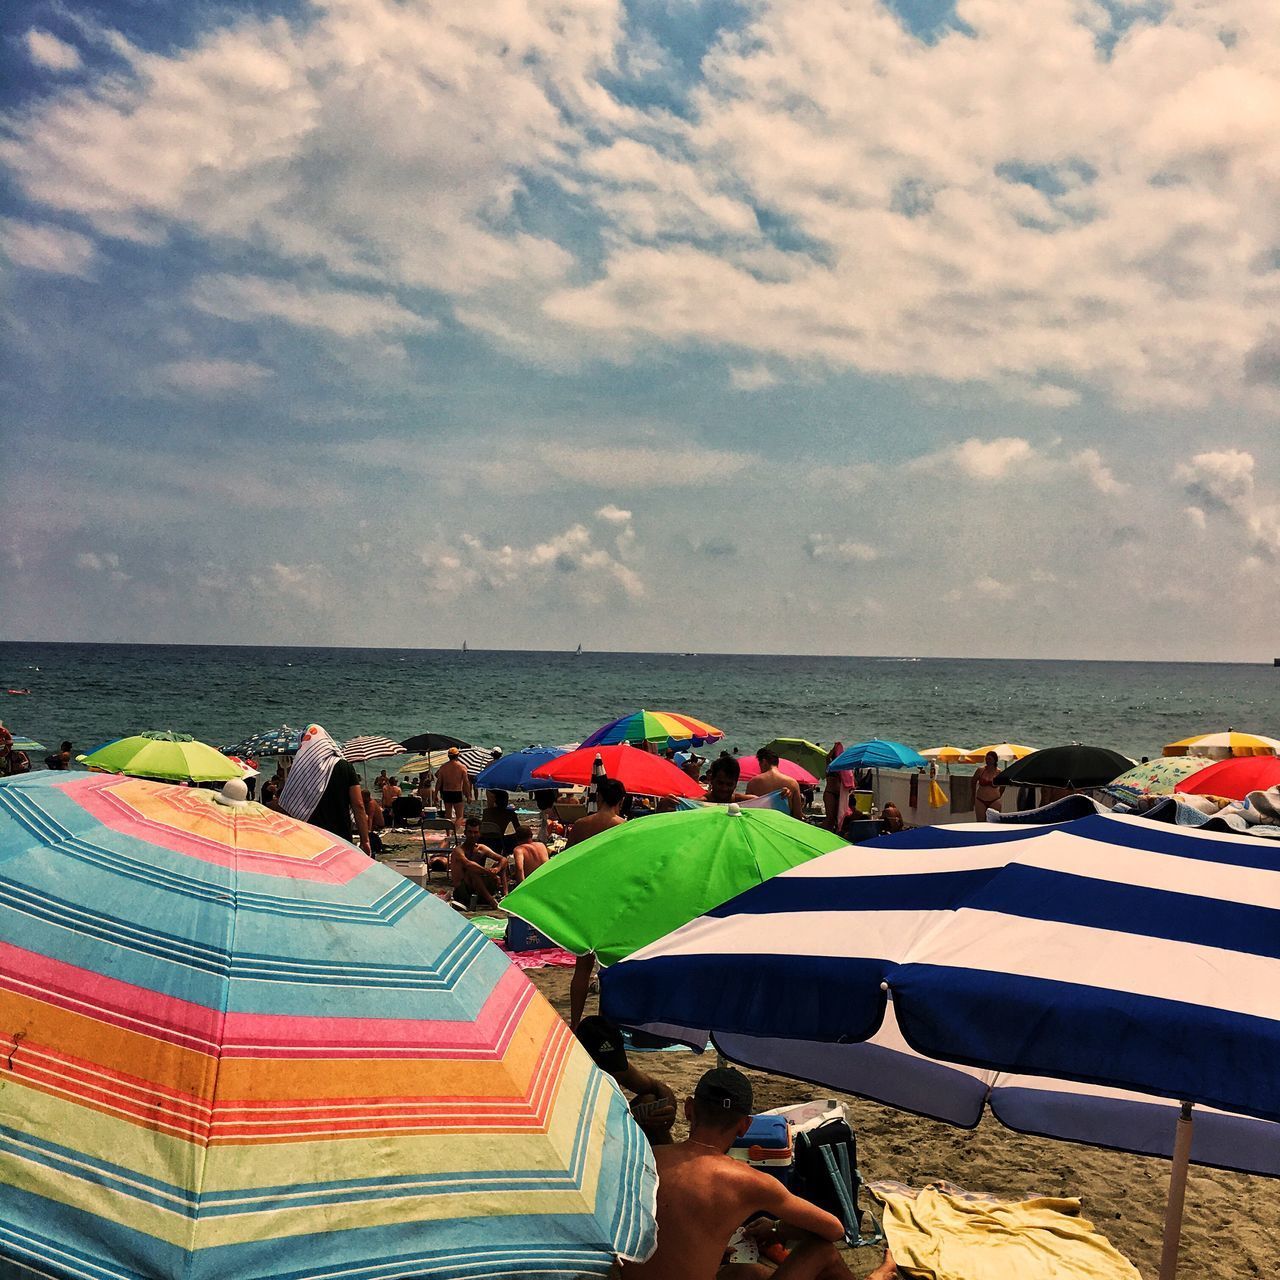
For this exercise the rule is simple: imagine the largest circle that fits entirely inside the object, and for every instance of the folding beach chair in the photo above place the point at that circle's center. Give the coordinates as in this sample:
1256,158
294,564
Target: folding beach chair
827,1174
437,848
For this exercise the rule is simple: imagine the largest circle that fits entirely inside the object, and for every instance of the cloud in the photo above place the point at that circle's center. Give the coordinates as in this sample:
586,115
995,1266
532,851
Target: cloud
214,376
103,562
1009,457
1221,482
47,51
613,515
310,585
338,311
819,546
644,466
43,247
756,377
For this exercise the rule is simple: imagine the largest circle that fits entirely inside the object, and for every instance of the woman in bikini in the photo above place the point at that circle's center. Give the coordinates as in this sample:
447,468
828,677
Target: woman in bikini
986,795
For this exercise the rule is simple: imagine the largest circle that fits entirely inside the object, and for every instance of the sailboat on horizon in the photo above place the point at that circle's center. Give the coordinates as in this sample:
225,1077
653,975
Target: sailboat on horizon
577,653
464,648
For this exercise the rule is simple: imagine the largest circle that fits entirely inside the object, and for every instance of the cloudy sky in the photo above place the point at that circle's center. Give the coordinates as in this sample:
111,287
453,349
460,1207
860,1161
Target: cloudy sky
808,326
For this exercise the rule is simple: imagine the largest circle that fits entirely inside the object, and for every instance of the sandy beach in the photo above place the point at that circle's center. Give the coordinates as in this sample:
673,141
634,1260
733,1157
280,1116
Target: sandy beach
1232,1221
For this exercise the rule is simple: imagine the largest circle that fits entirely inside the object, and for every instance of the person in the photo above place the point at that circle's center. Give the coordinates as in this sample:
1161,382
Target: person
455,788
376,822
771,778
704,1196
60,759
653,1104
693,766
986,795
13,761
381,780
497,818
722,780
835,785
611,796
390,794
271,793
323,788
528,855
548,820
426,789
475,868
891,820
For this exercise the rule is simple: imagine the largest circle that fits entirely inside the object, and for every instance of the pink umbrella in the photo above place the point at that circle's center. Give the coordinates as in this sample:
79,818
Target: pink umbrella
750,766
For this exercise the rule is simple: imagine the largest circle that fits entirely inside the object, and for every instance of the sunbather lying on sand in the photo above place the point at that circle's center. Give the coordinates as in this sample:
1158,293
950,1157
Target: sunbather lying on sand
704,1196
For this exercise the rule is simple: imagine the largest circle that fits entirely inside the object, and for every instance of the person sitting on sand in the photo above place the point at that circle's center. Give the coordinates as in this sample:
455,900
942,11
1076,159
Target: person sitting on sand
653,1105
475,868
391,792
771,778
528,855
376,821
891,820
455,788
704,1196
426,789
986,795
722,780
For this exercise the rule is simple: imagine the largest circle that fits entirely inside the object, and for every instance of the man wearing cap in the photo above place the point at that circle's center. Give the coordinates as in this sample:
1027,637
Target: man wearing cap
654,1105
455,788
704,1196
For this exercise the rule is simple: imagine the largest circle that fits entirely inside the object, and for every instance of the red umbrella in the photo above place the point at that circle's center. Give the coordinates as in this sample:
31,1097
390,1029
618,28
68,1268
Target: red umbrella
750,766
1234,778
640,772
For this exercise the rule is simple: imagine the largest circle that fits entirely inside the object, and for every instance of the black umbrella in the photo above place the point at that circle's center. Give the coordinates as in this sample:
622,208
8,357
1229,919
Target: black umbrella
424,743
1071,766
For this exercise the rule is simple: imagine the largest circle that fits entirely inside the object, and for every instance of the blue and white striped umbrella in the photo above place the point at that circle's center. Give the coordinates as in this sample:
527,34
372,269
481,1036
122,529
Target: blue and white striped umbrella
1058,964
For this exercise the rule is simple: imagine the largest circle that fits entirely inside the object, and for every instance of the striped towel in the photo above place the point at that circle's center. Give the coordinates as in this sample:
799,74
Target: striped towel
313,766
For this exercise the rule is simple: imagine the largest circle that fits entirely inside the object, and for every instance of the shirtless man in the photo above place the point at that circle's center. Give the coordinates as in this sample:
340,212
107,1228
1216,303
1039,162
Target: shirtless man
986,795
722,780
770,778
390,794
704,1196
610,795
528,855
654,1105
455,788
475,867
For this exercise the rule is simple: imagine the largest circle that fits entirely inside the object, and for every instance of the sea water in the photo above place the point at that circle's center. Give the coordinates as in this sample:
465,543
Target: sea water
93,693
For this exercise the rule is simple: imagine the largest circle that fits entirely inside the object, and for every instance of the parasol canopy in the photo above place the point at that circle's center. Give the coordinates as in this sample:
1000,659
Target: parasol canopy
749,767
283,741
948,755
429,743
169,757
371,747
1005,752
1073,765
1221,746
514,771
808,755
1157,777
640,772
239,1048
665,727
877,753
1234,778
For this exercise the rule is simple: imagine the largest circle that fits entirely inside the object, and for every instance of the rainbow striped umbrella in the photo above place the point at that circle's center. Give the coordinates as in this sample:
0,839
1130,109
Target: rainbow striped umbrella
666,727
233,1046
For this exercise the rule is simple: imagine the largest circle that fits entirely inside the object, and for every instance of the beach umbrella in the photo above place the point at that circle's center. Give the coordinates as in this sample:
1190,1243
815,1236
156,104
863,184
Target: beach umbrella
808,755
170,757
26,744
420,764
241,1049
948,755
514,771
1108,951
1157,777
662,871
248,768
877,753
1073,765
640,772
283,741
476,759
749,767
1005,752
371,747
1221,746
665,727
1233,778
429,743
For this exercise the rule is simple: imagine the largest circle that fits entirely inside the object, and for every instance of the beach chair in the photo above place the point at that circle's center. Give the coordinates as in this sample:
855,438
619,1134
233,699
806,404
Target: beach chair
446,839
826,1173
570,813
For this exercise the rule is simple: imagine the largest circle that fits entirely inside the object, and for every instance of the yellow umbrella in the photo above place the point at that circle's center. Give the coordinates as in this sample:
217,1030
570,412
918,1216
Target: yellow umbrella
420,764
1005,751
1221,746
947,755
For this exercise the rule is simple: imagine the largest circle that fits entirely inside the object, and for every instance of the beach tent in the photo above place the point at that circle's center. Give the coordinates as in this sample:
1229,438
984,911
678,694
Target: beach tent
1106,953
244,1050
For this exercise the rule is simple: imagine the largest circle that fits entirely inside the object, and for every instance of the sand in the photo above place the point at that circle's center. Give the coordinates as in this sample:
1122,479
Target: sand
1232,1221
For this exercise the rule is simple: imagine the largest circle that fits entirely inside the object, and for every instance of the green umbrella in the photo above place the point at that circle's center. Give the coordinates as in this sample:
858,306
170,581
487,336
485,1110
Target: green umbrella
171,757
808,755
626,887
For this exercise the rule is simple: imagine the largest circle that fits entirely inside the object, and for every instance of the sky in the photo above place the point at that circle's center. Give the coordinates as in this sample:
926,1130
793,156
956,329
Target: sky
829,326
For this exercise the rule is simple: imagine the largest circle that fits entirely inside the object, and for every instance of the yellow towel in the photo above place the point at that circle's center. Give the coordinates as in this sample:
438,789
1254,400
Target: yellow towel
946,1236
937,797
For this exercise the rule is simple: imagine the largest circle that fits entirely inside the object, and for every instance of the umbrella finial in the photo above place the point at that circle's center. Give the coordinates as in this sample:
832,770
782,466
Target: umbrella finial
733,810
234,792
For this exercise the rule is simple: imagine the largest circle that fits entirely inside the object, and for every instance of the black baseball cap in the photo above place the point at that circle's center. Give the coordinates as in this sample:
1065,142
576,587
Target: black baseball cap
726,1087
603,1041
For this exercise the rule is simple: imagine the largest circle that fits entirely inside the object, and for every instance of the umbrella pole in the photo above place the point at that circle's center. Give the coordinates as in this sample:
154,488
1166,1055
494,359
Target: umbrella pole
1177,1195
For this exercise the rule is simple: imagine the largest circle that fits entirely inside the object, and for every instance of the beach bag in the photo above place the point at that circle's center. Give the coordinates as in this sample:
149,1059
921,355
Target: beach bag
826,1174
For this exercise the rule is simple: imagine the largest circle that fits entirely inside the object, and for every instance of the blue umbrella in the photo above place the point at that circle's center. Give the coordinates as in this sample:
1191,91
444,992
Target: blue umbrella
1107,952
877,753
273,742
514,772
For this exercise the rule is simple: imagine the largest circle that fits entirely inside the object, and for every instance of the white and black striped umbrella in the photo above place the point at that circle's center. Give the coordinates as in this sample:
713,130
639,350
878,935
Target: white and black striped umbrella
476,759
371,747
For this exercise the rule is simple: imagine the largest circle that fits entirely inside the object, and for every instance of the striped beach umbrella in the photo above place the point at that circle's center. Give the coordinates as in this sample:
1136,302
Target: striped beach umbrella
371,747
668,728
234,1047
1110,951
1221,746
475,760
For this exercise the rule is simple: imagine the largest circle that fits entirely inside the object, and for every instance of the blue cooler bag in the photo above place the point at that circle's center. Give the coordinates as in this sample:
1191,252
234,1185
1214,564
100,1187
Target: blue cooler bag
767,1145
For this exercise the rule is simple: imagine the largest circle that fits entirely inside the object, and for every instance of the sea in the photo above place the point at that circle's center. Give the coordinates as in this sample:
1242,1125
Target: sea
221,694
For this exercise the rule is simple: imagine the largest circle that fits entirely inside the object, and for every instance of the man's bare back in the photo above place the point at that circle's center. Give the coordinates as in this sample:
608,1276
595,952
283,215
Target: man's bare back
592,825
772,780
528,857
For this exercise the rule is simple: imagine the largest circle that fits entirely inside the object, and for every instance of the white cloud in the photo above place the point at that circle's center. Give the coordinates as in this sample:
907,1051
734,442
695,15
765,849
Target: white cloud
212,377
1222,482
1012,457
611,514
103,562
338,311
47,51
42,247
644,466
1099,475
1197,517
309,585
756,377
819,546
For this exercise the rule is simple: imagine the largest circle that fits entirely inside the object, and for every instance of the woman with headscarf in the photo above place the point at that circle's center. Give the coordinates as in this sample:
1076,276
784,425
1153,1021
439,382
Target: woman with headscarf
323,788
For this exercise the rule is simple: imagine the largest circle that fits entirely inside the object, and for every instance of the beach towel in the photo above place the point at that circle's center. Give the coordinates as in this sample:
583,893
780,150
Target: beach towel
946,1233
313,766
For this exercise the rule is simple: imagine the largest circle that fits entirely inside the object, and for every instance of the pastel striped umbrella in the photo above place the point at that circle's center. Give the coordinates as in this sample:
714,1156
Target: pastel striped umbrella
665,727
234,1047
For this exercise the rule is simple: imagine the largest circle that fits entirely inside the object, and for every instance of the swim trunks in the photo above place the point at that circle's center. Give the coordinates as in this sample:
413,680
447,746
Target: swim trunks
451,797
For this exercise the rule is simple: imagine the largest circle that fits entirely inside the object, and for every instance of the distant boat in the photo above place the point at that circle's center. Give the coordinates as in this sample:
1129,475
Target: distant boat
464,646
577,653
